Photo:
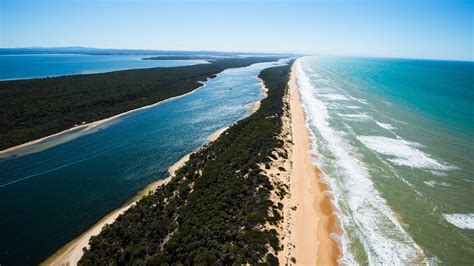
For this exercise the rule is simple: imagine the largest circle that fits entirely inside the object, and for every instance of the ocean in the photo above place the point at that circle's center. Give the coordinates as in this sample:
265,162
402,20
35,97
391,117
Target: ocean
50,65
394,139
50,196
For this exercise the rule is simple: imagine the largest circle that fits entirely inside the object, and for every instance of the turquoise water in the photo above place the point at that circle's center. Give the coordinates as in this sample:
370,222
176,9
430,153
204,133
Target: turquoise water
49,65
49,197
394,139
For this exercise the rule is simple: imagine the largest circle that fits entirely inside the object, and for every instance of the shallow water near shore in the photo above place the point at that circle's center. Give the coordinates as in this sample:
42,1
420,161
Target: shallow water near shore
395,142
50,197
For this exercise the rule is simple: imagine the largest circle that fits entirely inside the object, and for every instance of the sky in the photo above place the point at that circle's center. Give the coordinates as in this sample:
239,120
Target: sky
387,28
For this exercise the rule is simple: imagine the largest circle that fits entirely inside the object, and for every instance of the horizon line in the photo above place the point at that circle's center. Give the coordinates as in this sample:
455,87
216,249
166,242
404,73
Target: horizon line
249,52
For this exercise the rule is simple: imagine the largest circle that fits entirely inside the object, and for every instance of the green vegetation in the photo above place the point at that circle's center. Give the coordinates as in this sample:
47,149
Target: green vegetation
184,57
36,108
214,210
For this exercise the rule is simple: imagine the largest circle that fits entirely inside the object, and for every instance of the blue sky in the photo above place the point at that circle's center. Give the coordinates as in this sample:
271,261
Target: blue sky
413,29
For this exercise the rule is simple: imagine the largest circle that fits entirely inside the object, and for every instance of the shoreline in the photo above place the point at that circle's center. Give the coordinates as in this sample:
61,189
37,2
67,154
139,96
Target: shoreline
83,127
313,221
71,253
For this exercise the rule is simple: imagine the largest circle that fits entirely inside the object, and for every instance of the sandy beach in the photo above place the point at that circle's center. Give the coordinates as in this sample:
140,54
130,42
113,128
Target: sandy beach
312,219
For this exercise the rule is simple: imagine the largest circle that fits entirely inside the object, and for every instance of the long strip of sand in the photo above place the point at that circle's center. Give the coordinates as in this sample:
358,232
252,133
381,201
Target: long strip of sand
313,219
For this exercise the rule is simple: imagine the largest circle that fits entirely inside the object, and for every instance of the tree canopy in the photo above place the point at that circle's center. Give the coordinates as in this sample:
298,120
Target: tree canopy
214,210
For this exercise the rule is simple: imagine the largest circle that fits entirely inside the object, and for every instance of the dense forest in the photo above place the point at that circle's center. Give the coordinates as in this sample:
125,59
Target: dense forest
216,207
185,57
36,108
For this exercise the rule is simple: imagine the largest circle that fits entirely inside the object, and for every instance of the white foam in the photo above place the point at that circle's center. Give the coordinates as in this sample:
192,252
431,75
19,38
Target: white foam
384,239
334,97
384,125
402,152
353,107
356,117
362,101
432,183
463,221
342,106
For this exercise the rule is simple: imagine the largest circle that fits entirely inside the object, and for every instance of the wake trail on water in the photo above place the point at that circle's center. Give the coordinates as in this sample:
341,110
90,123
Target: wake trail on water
98,153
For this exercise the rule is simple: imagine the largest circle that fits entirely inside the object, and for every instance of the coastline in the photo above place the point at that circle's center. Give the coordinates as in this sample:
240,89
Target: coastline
313,221
71,253
84,128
